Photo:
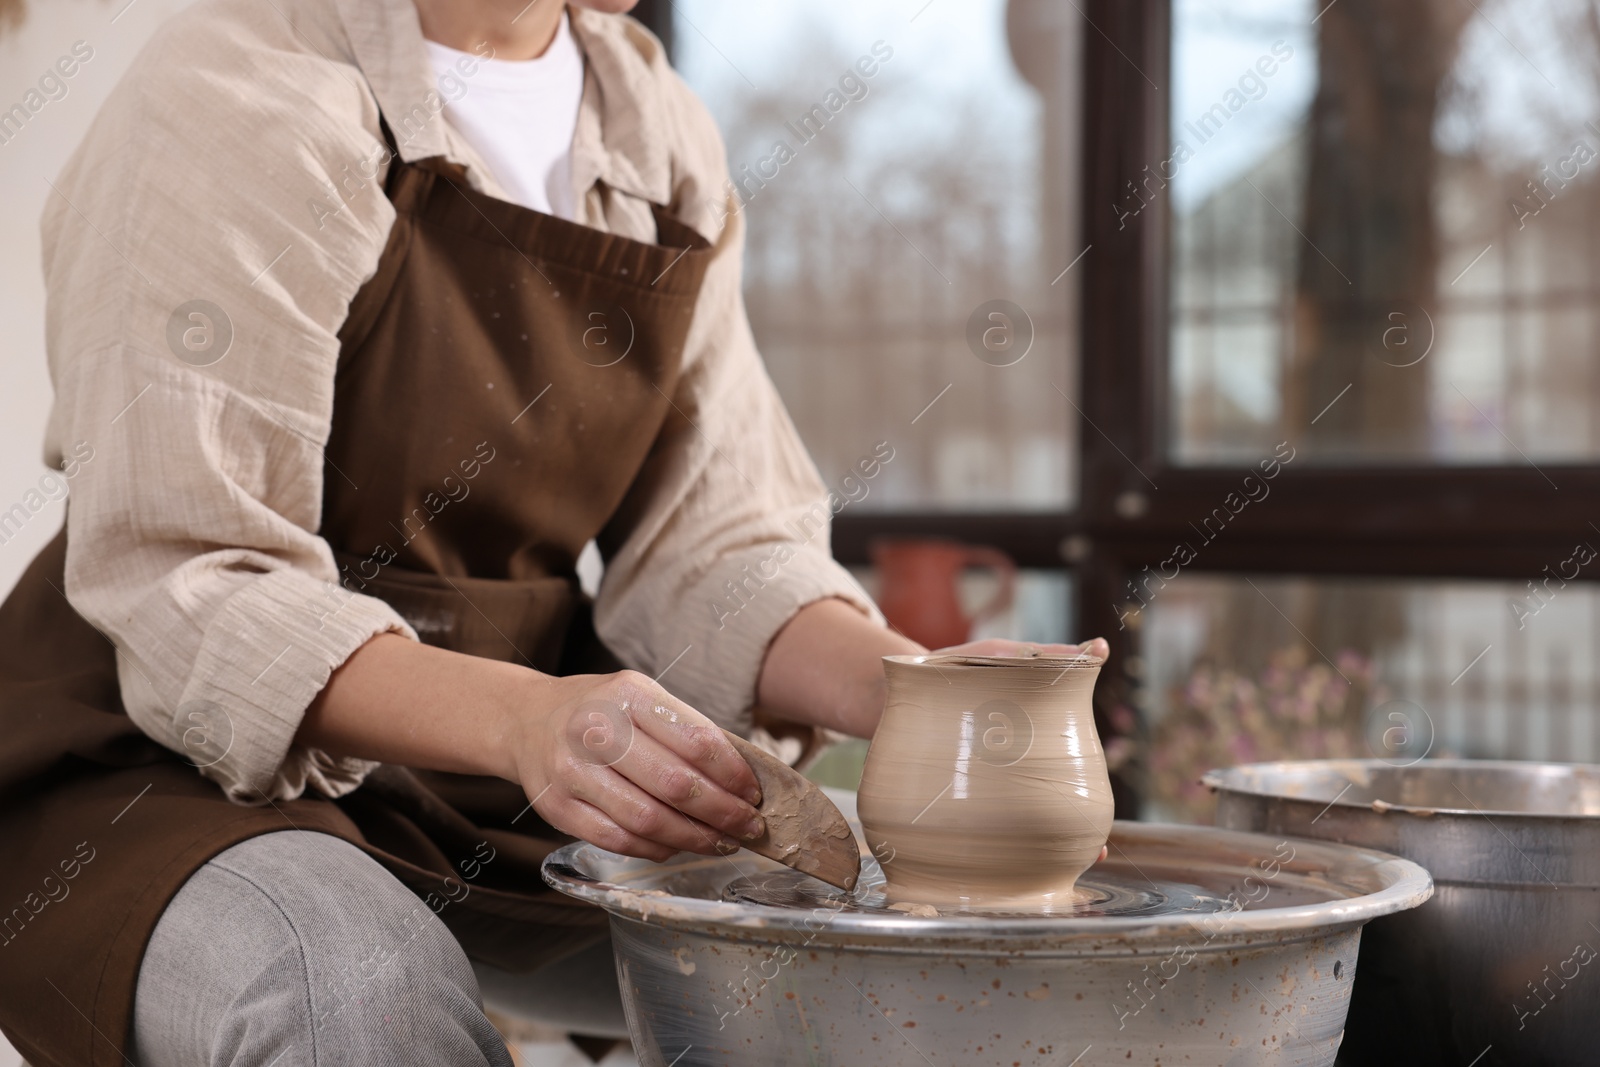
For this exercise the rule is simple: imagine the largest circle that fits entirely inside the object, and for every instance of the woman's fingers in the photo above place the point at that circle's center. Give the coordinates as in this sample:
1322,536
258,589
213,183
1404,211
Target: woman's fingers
581,819
640,815
639,772
670,779
698,742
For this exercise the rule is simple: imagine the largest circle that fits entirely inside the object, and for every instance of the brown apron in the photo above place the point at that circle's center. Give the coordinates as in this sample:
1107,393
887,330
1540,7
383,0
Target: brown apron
502,383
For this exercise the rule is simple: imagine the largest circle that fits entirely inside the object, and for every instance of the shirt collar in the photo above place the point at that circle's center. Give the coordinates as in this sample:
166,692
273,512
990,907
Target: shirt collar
621,134
621,137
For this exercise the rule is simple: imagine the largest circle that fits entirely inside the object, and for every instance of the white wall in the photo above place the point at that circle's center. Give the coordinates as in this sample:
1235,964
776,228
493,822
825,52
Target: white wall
28,162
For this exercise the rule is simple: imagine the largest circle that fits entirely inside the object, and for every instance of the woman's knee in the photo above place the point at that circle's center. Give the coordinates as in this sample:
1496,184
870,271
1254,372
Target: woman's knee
300,943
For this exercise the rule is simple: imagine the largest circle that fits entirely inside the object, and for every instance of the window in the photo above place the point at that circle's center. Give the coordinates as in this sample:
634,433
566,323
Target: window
1384,220
1334,370
908,186
1335,278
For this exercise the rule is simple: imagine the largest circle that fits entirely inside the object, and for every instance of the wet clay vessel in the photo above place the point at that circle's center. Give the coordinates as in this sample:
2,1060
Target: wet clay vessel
986,786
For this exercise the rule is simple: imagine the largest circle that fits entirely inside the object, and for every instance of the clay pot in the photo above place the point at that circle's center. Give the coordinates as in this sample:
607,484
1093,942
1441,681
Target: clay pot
919,590
986,786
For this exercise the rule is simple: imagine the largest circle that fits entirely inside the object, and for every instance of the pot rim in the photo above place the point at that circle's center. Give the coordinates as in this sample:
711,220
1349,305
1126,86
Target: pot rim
1384,884
1235,780
934,659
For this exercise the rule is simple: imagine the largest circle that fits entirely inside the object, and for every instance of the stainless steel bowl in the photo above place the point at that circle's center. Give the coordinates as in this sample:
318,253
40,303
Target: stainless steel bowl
1500,967
711,982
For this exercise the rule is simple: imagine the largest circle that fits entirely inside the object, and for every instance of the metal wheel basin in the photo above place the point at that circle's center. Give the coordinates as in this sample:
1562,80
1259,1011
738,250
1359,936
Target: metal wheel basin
1211,947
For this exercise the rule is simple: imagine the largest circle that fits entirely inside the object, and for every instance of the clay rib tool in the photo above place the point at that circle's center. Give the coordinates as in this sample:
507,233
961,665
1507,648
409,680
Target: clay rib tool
804,828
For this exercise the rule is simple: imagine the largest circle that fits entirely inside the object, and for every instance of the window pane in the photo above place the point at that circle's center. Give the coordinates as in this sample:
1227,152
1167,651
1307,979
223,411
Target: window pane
886,212
1384,224
1235,670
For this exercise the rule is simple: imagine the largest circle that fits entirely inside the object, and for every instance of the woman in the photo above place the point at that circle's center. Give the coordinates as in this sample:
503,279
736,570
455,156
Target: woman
364,319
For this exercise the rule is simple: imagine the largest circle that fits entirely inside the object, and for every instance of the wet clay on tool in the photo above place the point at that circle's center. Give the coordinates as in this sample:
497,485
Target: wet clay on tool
986,785
804,828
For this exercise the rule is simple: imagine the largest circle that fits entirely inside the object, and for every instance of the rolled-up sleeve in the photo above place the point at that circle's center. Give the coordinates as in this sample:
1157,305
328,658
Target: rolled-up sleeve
194,291
727,531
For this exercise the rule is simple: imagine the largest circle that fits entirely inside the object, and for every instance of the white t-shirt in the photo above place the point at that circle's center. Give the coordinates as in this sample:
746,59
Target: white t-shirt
519,116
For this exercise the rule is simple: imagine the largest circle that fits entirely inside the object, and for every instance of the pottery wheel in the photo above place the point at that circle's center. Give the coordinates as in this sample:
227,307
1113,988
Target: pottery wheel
1193,945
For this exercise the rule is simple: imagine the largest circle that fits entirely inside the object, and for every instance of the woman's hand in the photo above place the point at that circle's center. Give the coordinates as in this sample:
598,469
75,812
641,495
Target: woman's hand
622,763
611,758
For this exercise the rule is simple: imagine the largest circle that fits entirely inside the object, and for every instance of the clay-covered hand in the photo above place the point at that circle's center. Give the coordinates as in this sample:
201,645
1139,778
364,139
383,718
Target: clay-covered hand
996,646
625,765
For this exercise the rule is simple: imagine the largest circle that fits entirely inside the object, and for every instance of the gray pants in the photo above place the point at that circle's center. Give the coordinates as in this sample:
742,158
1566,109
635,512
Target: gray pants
296,949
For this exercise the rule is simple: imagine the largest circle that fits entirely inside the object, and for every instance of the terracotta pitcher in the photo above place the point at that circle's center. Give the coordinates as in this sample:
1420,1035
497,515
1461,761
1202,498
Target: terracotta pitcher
986,786
919,589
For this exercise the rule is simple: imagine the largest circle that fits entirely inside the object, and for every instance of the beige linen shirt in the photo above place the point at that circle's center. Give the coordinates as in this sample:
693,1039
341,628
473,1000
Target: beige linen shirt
239,162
